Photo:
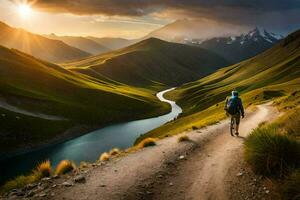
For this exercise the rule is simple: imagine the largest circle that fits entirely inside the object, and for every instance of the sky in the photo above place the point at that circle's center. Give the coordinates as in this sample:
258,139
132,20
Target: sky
136,18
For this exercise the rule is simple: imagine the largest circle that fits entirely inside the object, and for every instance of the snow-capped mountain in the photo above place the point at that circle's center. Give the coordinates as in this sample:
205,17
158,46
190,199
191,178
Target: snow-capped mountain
238,48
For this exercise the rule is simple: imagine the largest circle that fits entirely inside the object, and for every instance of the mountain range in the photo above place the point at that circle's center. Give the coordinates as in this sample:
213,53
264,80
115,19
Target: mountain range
242,47
150,62
38,46
83,43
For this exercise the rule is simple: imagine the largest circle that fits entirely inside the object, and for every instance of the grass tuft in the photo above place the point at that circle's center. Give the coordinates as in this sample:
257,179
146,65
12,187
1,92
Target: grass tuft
104,157
148,142
183,138
291,187
44,169
114,152
270,153
65,166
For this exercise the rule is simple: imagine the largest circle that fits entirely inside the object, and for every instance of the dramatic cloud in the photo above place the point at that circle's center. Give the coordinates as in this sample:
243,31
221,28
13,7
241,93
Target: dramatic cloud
275,13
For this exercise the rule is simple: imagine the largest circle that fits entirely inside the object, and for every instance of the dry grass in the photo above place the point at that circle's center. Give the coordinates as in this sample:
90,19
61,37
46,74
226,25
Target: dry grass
44,169
104,156
114,152
183,138
65,166
148,142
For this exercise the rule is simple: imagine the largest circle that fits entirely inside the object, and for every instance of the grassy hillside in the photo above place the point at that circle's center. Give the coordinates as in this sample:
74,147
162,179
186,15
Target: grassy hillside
82,43
150,62
272,75
38,46
113,43
39,88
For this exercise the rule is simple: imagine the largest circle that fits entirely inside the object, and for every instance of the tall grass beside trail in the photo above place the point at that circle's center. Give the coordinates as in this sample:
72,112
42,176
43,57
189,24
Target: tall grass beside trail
65,166
291,123
291,187
148,142
271,153
42,170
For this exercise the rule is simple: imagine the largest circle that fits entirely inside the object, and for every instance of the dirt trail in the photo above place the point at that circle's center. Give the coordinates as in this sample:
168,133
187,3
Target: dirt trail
158,172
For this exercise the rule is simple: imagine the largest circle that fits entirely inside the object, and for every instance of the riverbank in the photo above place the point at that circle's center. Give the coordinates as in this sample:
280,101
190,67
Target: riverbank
88,146
170,169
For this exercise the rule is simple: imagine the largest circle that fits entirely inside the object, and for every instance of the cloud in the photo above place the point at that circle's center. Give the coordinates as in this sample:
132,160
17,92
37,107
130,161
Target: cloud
249,12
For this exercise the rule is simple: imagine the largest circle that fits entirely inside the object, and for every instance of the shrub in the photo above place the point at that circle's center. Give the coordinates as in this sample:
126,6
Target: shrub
114,151
183,138
20,182
291,187
44,169
147,143
65,166
292,123
104,156
271,153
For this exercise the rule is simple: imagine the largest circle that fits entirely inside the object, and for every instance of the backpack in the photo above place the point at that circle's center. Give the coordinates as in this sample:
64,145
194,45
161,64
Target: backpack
233,106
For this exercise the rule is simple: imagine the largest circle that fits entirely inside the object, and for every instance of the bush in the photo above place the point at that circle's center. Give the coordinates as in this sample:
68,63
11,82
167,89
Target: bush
291,187
270,153
44,169
183,138
104,157
292,123
65,166
147,143
114,151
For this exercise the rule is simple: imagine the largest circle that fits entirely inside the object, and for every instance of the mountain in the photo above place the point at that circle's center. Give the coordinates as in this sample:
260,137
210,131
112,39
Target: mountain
273,75
113,43
238,48
203,29
39,101
38,46
151,62
82,43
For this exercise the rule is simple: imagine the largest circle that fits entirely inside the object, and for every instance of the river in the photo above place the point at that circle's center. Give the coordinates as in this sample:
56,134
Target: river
88,147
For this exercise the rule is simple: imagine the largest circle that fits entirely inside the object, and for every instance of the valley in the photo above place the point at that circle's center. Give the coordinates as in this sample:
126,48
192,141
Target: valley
87,105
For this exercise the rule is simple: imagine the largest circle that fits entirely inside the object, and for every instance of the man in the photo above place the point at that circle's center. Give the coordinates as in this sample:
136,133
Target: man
234,107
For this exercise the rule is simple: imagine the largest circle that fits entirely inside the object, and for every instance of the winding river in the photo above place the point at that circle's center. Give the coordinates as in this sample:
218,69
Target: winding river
89,146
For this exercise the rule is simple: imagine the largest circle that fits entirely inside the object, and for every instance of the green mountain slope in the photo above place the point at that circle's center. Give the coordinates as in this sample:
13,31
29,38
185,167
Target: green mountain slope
38,46
150,62
82,43
274,74
41,88
113,43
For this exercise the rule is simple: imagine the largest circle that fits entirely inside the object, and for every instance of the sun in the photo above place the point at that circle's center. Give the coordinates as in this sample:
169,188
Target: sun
24,11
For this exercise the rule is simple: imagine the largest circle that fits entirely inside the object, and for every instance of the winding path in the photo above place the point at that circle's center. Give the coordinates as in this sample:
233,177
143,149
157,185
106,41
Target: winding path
158,173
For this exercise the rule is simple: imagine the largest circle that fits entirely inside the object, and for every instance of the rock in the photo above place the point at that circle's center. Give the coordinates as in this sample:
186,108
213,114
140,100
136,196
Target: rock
46,179
67,184
239,174
54,186
43,194
17,192
171,184
55,176
149,192
102,185
160,176
79,179
31,186
181,157
30,194
267,191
